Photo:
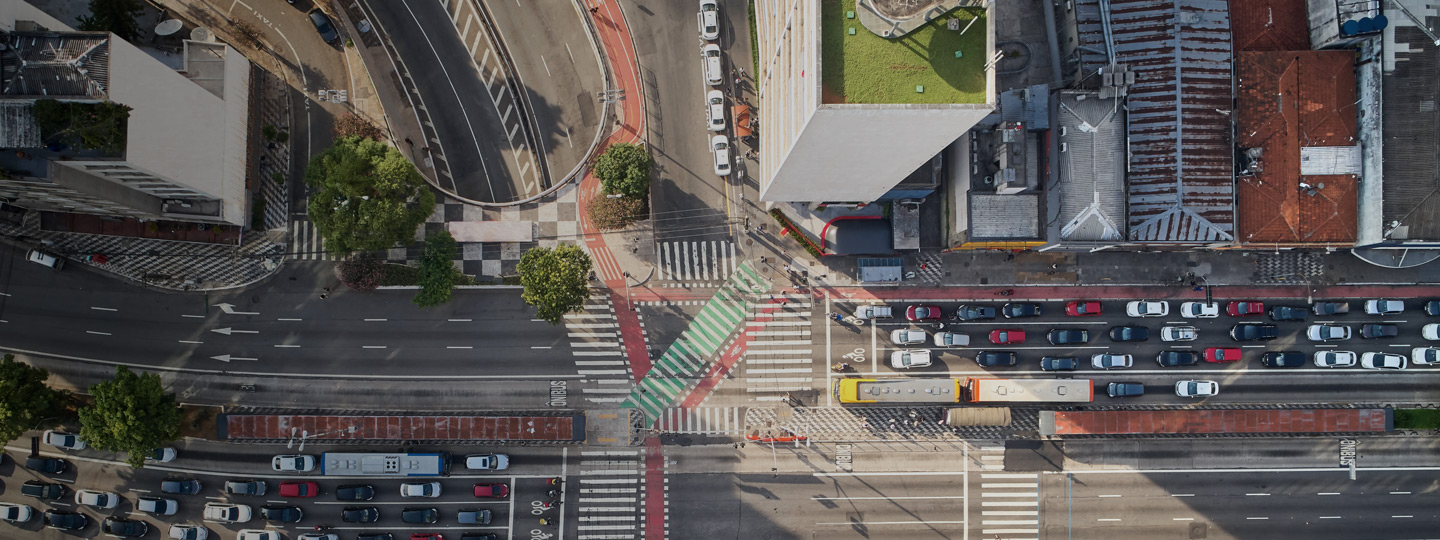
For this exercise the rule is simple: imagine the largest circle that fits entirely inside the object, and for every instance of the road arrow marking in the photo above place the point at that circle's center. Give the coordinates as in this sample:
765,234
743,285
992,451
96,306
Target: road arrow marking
230,309
227,358
227,331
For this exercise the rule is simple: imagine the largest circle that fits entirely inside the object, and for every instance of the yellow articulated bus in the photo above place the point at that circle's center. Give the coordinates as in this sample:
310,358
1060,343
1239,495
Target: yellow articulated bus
937,390
910,390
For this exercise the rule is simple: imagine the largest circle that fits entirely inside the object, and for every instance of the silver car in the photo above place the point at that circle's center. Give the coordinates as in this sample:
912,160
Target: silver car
1332,359
1111,361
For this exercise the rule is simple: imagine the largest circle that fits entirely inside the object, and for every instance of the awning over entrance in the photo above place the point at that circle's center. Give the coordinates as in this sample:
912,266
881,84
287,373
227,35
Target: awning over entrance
741,113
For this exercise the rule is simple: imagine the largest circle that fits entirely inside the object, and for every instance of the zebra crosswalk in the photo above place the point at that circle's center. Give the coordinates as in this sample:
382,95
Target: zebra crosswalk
609,504
599,351
702,420
695,264
778,358
306,244
1009,502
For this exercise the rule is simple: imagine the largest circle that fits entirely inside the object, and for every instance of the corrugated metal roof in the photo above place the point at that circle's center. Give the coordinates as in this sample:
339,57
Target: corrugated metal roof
1004,217
1412,149
1090,36
17,125
1181,181
1091,167
55,65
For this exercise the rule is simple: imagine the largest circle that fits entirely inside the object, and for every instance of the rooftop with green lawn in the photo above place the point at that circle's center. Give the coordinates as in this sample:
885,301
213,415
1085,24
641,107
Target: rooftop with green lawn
930,65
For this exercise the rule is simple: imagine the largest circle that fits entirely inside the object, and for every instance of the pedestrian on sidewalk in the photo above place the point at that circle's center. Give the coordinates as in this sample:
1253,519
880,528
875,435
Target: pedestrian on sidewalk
595,10
409,142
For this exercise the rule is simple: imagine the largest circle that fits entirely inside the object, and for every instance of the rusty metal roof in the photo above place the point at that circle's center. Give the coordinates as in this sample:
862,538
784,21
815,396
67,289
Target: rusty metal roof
1181,171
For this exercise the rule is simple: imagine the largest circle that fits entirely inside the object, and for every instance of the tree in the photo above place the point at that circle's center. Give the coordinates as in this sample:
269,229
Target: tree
130,413
25,399
624,169
556,280
365,196
116,16
437,270
609,214
361,273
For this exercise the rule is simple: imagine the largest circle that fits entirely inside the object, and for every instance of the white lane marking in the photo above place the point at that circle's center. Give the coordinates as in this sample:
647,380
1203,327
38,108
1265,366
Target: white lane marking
194,316
290,320
376,320
459,347
1330,517
1399,492
287,346
188,341
1402,516
1182,519
1257,518
372,347
104,309
459,320
1108,496
539,347
1107,519
1247,471
1182,494
1257,494
97,333
1327,493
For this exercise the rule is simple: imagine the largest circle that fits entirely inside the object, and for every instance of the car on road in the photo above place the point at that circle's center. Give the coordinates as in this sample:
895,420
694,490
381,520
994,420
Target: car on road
1124,389
283,513
1254,332
1015,310
44,259
318,536
1195,389
1220,355
1244,308
1111,361
1007,336
1377,331
1068,336
360,514
104,500
1432,308
1082,308
1425,356
64,441
720,150
1174,358
375,536
44,491
293,463
124,528
72,521
972,312
1179,333
245,487
1335,307
872,311
257,534
473,516
1059,363
162,455
227,513
426,536
323,26
1332,359
1430,331
1327,332
48,465
299,489
923,313
180,486
159,506
995,358
951,339
419,515
1199,310
1288,313
710,56
355,492
910,359
1147,308
487,462
1129,333
715,110
709,20
188,532
907,337
420,489
16,513
1379,360
492,491
1283,359
1384,307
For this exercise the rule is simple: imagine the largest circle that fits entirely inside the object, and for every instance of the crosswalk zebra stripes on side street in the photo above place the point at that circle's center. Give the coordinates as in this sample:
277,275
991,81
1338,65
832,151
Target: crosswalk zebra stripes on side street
306,244
702,420
599,352
609,503
1009,502
696,264
779,358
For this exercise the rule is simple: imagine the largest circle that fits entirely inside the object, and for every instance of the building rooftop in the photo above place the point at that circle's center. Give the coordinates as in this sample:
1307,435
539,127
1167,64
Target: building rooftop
1004,217
1269,25
1411,149
859,67
37,65
1090,192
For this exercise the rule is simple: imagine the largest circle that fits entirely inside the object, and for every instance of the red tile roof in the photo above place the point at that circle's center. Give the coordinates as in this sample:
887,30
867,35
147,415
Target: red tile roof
1269,25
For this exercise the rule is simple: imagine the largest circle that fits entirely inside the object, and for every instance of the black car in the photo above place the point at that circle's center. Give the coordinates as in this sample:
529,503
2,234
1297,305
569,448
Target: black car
1129,333
1125,389
478,536
283,514
1059,363
1331,308
1372,331
1432,307
245,487
969,312
1177,358
1068,336
1254,332
1288,313
180,486
323,26
65,520
48,465
419,515
1288,359
355,492
360,514
124,528
995,358
44,491
375,536
1020,309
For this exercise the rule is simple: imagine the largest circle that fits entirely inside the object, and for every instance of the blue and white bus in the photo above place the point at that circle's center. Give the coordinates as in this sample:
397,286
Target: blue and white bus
385,464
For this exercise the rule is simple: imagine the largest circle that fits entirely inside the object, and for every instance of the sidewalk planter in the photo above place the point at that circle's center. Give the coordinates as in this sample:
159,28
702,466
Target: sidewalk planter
787,226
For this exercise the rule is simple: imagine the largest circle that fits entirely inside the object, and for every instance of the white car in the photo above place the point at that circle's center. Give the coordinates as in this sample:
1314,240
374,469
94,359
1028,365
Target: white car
487,462
318,536
715,110
64,441
1384,307
1431,331
162,455
227,513
872,311
1195,389
1200,310
951,339
257,534
1111,361
1379,360
422,489
1327,332
157,505
720,148
16,513
1335,359
1179,333
908,337
103,500
1147,308
910,359
710,57
188,532
709,20
293,463
1425,356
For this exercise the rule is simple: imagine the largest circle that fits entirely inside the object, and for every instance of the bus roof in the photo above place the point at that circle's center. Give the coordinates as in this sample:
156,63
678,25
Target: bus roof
1030,390
909,390
384,464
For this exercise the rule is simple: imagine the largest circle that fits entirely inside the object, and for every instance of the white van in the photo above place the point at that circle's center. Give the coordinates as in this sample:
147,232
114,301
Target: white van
710,56
40,257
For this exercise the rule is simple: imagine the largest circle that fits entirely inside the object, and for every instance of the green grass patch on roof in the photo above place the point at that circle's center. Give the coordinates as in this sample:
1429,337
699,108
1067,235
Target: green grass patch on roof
867,68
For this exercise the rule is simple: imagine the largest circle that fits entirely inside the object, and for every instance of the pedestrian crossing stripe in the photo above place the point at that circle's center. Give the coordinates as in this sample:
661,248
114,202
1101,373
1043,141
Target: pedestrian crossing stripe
306,244
695,261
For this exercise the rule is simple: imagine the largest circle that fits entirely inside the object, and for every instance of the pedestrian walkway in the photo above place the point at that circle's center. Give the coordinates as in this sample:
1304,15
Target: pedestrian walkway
599,350
306,243
1010,505
703,421
779,358
609,501
695,264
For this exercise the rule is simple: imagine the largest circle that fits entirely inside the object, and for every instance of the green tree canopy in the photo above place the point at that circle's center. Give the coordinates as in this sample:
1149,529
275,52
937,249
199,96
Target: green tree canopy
130,413
116,16
556,280
25,399
624,169
365,196
437,270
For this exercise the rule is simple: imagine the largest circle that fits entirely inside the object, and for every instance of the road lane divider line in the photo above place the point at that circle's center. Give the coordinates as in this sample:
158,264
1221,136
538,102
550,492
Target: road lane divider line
373,346
97,333
192,342
290,320
96,308
287,346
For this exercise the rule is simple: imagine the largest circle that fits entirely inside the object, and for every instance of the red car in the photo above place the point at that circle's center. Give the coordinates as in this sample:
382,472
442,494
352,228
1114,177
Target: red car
922,313
492,491
1007,336
1245,309
1078,308
299,489
1221,355
427,536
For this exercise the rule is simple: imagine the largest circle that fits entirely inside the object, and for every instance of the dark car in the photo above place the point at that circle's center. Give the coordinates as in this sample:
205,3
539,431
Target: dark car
323,25
360,514
492,491
1125,389
1432,307
995,358
1020,309
124,528
1254,332
245,487
1177,358
375,536
968,312
44,491
180,486
65,520
1288,313
48,465
1068,337
1289,359
478,536
355,492
419,515
281,513
473,516
1372,331
1331,308
299,489
1059,363
1129,333
922,313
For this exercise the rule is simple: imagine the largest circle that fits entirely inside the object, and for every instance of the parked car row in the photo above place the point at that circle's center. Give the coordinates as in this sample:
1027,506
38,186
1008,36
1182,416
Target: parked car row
1146,309
1190,389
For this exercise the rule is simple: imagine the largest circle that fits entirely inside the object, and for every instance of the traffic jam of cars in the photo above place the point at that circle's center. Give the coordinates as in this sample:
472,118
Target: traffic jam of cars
1318,323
